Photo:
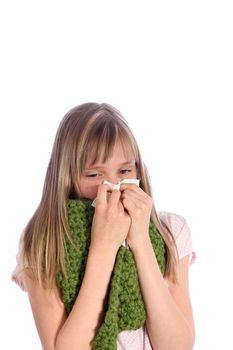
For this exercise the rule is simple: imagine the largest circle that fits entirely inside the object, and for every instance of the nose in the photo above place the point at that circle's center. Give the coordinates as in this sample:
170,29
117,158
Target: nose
112,179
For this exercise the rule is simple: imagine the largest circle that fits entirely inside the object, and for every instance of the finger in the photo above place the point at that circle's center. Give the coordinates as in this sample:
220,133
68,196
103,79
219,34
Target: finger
114,198
131,187
102,194
121,209
133,201
133,195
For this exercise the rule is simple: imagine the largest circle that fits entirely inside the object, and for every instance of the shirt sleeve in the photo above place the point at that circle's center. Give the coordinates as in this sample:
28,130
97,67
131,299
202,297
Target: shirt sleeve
16,275
181,232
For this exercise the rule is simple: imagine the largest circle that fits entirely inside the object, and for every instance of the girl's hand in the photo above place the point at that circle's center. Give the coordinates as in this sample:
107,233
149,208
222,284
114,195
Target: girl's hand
111,222
138,205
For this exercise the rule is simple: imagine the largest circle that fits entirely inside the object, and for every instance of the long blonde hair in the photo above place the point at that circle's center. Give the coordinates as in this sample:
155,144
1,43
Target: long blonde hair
89,127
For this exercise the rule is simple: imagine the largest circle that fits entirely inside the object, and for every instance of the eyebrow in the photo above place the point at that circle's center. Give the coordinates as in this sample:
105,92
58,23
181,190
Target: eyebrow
97,166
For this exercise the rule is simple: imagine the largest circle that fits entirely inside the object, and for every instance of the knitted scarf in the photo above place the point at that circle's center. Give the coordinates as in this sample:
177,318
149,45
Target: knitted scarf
125,308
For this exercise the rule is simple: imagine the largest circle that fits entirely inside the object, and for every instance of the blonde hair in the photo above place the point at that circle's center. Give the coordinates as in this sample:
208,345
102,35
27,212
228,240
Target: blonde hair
88,129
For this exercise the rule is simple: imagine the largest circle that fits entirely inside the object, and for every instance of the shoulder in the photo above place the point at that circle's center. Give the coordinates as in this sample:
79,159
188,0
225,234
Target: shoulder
176,223
180,229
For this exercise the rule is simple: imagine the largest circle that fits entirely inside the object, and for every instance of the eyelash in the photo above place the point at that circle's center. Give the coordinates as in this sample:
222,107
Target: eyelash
125,171
122,172
92,175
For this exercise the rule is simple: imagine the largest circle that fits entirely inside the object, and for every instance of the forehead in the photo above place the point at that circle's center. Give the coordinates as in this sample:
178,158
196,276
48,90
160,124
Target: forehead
119,153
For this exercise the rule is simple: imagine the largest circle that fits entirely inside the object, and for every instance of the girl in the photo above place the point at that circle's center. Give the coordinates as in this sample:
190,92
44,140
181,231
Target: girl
94,144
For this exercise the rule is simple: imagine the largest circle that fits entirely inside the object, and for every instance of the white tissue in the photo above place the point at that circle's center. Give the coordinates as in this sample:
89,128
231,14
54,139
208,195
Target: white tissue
117,187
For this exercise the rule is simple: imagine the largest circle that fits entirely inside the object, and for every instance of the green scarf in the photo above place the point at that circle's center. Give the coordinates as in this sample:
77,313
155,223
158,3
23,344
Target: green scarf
125,307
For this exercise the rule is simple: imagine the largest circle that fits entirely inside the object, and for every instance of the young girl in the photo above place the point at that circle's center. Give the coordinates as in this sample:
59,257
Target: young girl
82,289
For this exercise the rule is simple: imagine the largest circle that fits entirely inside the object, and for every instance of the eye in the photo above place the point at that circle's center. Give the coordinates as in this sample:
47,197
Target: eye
125,171
92,175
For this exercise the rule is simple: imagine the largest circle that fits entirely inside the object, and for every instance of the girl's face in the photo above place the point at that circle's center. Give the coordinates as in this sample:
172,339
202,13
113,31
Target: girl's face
115,169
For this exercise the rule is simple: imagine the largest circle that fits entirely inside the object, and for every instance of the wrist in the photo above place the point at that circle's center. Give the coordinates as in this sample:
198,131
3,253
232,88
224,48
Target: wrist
103,251
140,245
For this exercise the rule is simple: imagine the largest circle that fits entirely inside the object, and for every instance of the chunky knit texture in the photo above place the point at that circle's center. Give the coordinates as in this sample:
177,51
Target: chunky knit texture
125,308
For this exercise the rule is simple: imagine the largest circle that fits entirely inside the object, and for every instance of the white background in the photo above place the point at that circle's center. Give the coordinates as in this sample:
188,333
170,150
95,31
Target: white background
167,66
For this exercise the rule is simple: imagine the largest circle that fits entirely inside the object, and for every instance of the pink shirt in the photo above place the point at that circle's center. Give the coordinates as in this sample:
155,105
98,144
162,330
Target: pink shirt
138,339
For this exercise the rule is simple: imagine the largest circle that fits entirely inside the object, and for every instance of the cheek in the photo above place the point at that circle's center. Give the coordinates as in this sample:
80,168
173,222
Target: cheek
134,174
88,190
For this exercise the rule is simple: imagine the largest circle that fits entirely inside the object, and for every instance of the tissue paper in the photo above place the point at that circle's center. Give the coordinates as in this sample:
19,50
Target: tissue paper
118,185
